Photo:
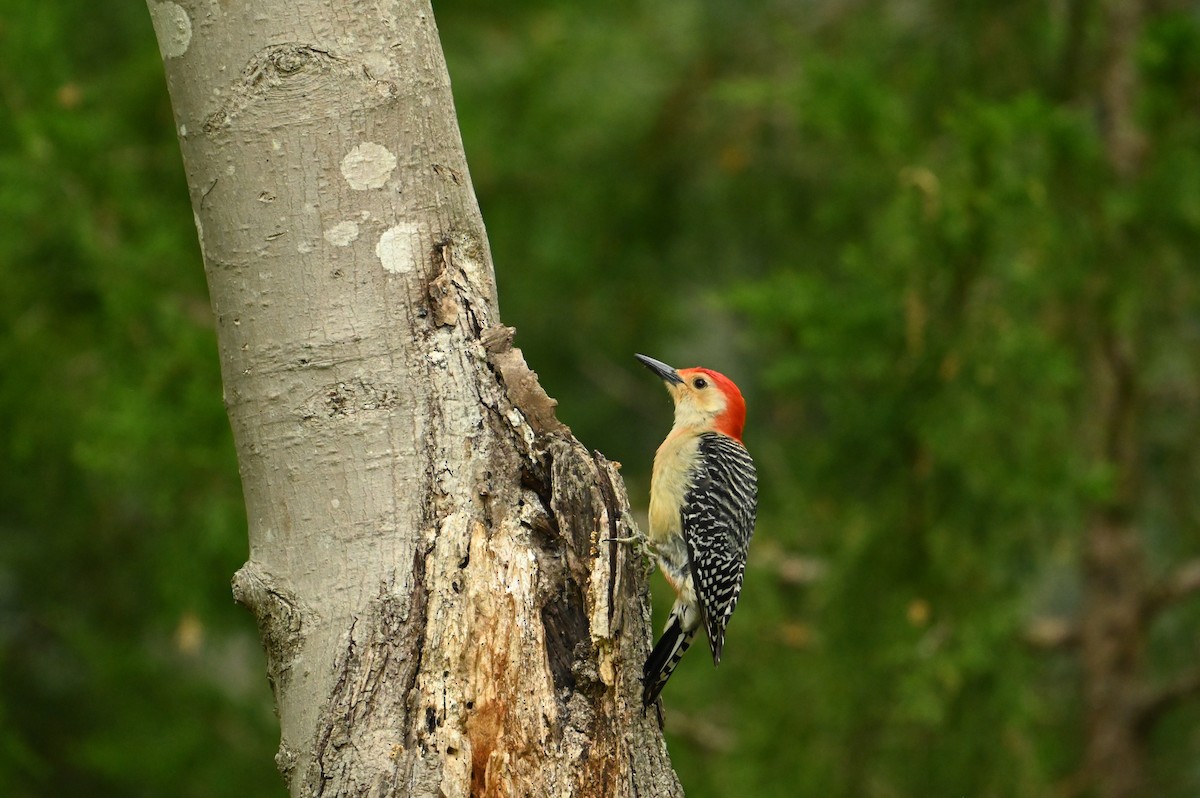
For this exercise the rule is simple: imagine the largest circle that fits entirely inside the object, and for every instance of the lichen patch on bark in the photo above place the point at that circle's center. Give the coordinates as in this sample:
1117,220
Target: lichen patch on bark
368,165
173,27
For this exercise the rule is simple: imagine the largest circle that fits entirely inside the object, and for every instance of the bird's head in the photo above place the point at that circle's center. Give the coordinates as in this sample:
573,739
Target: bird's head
704,399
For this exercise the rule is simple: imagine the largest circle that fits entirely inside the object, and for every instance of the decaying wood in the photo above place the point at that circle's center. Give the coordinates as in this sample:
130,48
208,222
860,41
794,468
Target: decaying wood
429,565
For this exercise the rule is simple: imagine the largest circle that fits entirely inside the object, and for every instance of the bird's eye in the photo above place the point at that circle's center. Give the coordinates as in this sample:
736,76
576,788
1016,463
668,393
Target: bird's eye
700,383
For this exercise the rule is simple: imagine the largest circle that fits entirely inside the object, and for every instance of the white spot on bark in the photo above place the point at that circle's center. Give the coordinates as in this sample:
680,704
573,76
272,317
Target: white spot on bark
342,233
173,27
368,166
397,249
335,503
199,233
304,247
182,131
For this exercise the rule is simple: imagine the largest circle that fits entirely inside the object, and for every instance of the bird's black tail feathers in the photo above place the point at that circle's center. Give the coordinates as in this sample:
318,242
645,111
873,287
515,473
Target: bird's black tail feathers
663,659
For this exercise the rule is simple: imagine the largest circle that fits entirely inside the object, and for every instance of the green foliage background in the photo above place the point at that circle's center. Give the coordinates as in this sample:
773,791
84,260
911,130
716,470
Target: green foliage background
893,223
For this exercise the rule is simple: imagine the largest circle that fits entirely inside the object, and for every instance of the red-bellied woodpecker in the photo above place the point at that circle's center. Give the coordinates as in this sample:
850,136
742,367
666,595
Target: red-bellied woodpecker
703,500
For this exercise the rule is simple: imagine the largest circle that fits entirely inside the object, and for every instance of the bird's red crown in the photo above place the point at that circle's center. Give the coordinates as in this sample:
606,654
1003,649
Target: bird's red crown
733,420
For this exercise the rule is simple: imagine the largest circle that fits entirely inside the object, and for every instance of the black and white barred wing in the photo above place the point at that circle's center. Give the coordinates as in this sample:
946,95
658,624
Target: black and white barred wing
718,520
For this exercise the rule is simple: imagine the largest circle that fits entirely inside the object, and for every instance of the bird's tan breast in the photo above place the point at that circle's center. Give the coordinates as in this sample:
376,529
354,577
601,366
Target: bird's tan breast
669,483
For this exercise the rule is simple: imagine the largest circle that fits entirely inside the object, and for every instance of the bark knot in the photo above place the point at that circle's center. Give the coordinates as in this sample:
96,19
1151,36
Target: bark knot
281,619
285,82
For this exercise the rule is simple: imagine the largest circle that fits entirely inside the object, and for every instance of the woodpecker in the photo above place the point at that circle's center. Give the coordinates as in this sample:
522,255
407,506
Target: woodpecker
703,501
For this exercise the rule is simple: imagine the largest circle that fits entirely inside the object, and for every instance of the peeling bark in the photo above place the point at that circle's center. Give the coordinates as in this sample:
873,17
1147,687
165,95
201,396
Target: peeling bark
429,559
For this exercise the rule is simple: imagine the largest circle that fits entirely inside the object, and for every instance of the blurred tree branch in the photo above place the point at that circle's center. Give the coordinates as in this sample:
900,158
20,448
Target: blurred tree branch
1181,584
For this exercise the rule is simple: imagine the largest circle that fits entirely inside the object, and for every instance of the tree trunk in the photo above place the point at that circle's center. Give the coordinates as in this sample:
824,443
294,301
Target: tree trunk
1113,628
1113,640
441,610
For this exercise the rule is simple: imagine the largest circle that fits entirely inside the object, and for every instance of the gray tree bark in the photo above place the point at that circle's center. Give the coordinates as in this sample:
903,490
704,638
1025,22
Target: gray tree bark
428,564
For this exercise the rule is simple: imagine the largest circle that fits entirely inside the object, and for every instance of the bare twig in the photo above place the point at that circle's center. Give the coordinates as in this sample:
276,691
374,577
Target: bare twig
790,569
1052,632
1181,584
1166,697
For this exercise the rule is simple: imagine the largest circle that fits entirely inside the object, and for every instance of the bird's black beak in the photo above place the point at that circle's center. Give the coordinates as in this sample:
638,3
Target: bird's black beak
660,368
